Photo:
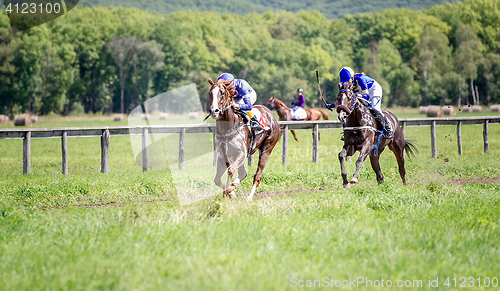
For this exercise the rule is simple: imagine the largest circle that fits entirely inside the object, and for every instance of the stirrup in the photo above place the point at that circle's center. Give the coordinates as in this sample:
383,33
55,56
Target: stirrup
388,133
255,125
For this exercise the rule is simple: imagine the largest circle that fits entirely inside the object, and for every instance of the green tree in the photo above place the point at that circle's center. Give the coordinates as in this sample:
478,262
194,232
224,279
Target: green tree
468,56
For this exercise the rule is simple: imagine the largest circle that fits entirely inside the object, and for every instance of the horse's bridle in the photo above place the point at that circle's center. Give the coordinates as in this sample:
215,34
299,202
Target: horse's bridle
272,105
354,101
227,103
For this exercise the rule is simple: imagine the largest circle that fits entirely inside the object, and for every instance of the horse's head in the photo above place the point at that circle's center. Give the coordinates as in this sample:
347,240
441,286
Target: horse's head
221,97
270,104
345,100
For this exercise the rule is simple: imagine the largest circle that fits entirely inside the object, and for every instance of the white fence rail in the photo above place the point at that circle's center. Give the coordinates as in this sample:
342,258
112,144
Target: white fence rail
106,131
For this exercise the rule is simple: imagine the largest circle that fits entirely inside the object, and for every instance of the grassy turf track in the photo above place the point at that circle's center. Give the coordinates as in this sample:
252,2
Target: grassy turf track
432,228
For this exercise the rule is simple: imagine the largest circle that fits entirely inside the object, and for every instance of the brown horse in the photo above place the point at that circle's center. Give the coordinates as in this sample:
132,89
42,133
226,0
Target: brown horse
361,134
285,115
234,138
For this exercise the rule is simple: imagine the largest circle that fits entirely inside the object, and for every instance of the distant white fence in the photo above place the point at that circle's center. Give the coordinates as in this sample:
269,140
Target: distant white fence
105,132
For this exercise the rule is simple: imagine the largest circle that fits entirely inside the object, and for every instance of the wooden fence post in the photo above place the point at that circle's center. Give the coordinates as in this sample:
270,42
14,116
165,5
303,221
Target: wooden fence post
250,160
145,150
403,127
215,147
105,140
182,142
459,137
315,143
285,145
433,139
27,153
485,136
64,151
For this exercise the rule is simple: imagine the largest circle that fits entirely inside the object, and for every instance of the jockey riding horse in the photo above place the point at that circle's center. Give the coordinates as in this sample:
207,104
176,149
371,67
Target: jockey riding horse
235,139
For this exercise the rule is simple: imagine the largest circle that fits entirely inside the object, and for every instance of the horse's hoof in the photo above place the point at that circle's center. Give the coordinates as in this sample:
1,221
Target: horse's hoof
353,180
347,186
232,195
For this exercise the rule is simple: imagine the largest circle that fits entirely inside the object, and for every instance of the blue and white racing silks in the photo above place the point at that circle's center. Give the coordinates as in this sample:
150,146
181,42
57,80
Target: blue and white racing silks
244,94
365,83
371,90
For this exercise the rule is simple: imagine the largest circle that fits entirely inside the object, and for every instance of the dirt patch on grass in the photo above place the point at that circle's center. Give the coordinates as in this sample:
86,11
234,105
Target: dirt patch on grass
482,180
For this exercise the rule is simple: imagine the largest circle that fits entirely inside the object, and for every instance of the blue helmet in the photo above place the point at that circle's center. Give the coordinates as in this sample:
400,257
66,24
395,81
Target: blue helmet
226,76
346,73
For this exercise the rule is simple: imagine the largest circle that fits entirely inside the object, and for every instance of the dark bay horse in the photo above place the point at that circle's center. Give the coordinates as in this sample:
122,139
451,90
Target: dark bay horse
361,133
233,138
285,115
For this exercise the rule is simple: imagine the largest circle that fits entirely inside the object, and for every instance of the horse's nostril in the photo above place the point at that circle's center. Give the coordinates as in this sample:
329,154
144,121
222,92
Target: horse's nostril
216,110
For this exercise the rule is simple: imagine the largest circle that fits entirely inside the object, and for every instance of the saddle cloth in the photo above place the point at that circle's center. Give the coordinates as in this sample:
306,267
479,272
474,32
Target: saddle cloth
260,118
298,113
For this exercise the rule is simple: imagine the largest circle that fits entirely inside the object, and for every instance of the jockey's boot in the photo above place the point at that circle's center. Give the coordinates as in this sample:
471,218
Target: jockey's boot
387,128
254,123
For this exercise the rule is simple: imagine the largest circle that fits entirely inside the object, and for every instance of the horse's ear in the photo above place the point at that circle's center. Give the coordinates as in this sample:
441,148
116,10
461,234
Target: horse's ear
210,81
340,85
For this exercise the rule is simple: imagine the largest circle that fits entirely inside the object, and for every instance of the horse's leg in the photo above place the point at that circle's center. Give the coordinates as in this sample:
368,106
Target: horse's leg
365,151
221,168
264,155
342,155
242,173
227,187
400,157
374,160
294,136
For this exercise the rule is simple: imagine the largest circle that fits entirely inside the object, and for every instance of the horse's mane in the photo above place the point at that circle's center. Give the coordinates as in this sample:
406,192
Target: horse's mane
276,100
230,87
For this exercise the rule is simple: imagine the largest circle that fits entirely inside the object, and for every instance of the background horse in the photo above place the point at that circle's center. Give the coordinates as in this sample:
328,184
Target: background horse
285,115
233,138
361,134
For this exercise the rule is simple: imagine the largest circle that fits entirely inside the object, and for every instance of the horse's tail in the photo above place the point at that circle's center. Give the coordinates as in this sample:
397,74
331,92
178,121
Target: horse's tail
324,114
410,148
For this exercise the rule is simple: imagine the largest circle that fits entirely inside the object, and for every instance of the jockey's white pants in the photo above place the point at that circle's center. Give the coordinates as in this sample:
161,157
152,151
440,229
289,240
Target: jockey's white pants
375,93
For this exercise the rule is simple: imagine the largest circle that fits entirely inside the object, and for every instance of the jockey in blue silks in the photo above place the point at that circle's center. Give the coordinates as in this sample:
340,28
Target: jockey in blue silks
371,91
245,99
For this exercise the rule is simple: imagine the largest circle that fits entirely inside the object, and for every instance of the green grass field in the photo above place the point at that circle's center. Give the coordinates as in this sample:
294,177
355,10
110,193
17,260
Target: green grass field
129,230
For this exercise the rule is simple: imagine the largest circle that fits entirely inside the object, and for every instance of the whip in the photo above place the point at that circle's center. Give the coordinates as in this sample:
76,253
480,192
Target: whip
321,94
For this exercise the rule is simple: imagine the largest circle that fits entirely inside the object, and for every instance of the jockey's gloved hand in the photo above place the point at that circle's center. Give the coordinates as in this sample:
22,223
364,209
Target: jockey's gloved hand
235,106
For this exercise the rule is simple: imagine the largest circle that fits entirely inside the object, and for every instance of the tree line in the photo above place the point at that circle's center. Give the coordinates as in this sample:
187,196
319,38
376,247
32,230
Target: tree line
111,59
330,9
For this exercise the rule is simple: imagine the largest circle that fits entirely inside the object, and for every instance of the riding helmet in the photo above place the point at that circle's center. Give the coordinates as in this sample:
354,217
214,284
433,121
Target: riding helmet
300,90
346,73
226,76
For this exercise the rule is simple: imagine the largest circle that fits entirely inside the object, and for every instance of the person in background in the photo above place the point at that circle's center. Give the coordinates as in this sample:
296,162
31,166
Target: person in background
301,100
298,112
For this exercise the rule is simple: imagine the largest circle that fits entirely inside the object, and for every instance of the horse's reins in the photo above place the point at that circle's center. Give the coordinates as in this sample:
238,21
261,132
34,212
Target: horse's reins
223,110
352,128
233,129
367,127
